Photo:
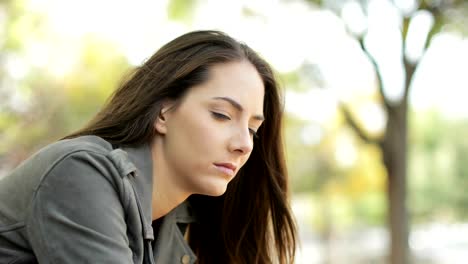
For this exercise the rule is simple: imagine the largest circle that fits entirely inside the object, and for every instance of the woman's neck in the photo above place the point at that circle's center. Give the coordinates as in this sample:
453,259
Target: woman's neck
167,194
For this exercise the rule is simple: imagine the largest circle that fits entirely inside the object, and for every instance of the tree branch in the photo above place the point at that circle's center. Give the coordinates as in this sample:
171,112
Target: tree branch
410,68
437,12
359,131
377,73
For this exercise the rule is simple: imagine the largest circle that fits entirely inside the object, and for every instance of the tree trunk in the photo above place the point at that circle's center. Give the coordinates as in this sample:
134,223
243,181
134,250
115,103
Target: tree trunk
394,149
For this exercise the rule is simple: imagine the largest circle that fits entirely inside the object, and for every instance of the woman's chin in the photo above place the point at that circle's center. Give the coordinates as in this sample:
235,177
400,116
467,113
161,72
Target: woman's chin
216,192
216,188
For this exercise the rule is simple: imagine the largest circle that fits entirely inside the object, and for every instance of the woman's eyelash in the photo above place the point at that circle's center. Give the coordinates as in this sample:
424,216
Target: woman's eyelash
225,117
254,133
220,116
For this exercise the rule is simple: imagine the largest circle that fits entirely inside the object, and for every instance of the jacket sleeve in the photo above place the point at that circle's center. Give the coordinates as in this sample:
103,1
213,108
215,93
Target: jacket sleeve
76,215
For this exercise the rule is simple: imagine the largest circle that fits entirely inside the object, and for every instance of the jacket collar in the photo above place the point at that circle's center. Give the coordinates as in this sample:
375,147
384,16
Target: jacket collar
142,179
143,182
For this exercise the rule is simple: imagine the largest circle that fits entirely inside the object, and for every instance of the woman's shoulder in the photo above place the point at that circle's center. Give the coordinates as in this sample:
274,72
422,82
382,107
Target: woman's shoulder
85,146
68,156
78,154
92,144
71,167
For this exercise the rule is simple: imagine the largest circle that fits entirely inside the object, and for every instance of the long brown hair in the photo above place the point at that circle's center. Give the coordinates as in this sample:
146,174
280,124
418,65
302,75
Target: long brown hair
252,222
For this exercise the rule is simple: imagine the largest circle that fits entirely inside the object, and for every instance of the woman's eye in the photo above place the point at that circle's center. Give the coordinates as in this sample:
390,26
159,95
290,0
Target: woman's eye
220,116
253,133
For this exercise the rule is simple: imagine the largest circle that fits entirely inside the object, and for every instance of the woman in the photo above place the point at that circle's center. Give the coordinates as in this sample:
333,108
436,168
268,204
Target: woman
184,163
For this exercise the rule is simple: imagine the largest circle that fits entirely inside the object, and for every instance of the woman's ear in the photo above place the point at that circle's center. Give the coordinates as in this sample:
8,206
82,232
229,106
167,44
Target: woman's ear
161,120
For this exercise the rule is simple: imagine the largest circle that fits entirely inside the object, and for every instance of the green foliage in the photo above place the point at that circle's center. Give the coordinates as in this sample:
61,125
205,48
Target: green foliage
437,168
371,208
99,71
458,196
21,25
307,77
456,19
54,104
181,10
354,193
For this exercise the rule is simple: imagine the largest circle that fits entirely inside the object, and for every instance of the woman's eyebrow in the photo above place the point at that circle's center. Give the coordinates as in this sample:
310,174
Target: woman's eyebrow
238,106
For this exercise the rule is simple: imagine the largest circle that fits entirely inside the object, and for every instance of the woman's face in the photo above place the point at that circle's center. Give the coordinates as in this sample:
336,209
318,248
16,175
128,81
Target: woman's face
208,137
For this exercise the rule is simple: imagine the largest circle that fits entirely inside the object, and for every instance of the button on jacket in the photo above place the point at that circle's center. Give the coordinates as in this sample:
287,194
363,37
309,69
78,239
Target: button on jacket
82,201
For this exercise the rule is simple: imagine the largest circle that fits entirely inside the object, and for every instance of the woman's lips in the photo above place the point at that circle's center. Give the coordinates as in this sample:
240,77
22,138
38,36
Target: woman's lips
226,168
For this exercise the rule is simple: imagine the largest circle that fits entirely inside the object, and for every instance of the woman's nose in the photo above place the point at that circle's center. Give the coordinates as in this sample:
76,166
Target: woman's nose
242,142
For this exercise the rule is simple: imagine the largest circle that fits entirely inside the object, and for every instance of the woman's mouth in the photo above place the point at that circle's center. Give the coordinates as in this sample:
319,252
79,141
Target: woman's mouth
226,168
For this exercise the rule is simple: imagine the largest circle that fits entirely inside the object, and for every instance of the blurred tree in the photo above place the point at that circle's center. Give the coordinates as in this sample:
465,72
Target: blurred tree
50,92
460,197
438,168
394,142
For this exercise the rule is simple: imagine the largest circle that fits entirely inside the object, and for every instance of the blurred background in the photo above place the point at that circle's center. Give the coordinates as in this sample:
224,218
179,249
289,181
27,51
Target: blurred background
376,94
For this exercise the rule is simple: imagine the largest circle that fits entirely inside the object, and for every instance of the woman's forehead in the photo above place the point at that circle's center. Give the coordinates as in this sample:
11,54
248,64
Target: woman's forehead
237,80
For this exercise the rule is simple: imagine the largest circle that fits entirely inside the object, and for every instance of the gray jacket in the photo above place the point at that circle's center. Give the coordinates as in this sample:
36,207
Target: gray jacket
81,201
